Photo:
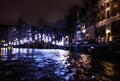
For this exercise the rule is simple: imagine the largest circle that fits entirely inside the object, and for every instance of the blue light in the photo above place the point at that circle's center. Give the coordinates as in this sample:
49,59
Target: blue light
92,47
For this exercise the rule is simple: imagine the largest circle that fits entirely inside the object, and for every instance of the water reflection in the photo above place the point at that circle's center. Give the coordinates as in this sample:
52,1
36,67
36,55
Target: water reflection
109,68
81,67
55,65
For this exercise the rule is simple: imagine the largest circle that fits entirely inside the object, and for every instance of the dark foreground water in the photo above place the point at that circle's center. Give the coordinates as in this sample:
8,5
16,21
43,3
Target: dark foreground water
55,65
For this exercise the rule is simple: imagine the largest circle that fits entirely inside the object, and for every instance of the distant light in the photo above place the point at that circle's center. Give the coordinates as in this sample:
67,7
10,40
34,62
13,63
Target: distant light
92,76
5,44
14,44
39,35
25,40
49,39
17,42
3,41
53,42
30,39
21,42
53,37
9,43
66,36
84,31
78,32
59,43
108,31
92,47
36,37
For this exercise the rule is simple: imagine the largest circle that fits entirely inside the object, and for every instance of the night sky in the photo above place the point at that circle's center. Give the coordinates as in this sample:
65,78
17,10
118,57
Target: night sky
32,10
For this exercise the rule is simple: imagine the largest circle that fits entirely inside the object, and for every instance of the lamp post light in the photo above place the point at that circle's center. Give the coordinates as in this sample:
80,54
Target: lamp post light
84,31
108,31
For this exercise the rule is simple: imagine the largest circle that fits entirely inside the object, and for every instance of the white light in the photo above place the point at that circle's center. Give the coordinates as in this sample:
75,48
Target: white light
21,42
66,36
9,43
39,35
36,37
53,37
78,32
14,43
4,45
84,31
49,39
16,39
92,47
25,40
17,42
53,42
30,39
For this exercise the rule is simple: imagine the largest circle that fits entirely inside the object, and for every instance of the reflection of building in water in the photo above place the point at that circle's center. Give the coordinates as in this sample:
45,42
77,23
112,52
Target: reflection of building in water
109,69
83,67
104,70
1,52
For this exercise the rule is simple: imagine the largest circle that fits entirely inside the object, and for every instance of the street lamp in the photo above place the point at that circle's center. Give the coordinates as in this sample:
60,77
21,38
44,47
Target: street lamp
108,31
84,31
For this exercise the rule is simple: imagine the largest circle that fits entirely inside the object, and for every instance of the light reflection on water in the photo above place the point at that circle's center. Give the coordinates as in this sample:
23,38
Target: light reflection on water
62,63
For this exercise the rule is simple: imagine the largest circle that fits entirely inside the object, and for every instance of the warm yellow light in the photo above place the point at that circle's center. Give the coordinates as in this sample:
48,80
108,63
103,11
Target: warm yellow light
107,9
108,31
2,40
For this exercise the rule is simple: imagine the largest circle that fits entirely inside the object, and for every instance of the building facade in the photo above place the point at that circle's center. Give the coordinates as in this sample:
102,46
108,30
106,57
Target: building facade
107,21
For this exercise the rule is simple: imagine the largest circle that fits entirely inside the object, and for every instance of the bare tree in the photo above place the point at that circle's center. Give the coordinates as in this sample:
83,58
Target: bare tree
91,13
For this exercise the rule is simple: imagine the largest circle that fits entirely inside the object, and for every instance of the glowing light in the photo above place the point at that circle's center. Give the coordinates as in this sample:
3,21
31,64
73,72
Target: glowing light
21,42
17,43
49,39
83,30
25,40
14,43
39,35
36,37
92,47
3,41
9,43
108,31
53,37
53,42
5,44
60,43
30,39
78,32
16,50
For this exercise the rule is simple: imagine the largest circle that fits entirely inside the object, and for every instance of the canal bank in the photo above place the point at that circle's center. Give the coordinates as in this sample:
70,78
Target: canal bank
93,50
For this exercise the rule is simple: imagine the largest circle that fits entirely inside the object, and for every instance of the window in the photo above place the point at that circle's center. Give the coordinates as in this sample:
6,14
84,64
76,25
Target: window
108,14
114,12
102,16
108,5
114,1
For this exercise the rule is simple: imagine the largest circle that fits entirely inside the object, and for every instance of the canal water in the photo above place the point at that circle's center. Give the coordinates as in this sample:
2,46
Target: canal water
55,65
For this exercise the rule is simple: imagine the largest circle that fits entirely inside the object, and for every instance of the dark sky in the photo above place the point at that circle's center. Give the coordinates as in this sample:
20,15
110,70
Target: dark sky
32,10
